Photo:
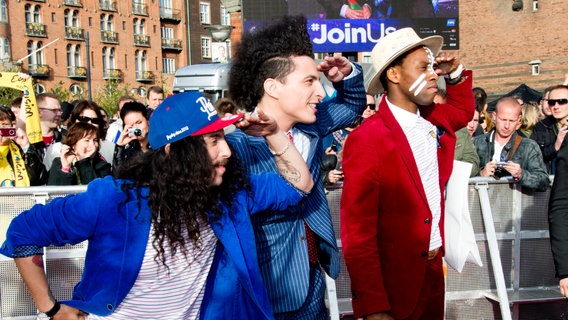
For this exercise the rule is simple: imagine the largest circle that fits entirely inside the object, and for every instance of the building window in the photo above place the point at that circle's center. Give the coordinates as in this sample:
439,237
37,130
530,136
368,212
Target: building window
74,55
206,47
106,22
32,13
90,21
169,65
71,18
39,88
3,11
4,48
139,26
37,56
108,58
140,63
76,90
53,17
167,33
225,17
204,13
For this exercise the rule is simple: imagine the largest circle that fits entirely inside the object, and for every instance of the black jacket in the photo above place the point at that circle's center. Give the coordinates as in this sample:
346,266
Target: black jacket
557,214
545,133
82,172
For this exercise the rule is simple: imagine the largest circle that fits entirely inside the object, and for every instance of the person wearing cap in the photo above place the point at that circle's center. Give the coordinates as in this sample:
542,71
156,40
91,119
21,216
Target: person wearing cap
170,238
392,203
274,71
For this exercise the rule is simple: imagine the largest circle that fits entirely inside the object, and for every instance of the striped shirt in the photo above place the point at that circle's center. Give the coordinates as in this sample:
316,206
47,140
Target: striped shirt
422,138
174,293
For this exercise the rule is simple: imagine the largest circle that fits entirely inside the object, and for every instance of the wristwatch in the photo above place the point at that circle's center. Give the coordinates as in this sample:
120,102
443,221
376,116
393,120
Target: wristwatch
47,315
455,76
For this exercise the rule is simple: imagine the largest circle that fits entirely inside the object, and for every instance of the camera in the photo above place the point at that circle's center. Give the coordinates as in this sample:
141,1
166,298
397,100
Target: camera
500,164
8,132
134,132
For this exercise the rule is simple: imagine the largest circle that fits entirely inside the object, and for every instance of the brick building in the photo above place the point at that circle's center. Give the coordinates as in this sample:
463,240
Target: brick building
138,42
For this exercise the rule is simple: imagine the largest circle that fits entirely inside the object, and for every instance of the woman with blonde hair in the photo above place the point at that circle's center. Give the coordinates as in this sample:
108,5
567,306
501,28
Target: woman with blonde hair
530,115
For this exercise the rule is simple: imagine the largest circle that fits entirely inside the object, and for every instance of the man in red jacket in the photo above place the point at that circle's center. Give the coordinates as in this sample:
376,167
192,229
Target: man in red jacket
392,204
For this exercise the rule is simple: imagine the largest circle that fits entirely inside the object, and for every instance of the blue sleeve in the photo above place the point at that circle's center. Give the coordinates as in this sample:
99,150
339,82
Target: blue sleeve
271,192
68,220
346,107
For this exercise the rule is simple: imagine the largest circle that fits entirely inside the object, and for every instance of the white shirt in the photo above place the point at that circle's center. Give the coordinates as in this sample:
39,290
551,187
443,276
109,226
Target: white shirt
422,137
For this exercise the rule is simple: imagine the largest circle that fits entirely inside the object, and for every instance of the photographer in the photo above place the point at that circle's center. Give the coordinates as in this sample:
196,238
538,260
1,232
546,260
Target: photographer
20,164
134,136
503,152
80,161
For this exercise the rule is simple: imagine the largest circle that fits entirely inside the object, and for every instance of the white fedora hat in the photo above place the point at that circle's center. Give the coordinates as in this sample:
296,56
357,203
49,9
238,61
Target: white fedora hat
392,46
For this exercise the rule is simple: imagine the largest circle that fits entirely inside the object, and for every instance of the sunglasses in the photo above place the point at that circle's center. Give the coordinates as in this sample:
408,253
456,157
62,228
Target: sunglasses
553,102
88,119
371,106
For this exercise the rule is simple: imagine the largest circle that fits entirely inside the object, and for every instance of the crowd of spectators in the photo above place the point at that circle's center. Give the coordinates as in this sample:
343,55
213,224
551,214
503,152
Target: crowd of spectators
80,143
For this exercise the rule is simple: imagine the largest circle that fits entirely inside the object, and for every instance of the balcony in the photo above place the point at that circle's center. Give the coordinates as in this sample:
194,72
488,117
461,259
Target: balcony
109,36
38,70
107,5
171,44
141,40
144,76
169,14
35,29
112,74
140,9
73,3
74,33
75,72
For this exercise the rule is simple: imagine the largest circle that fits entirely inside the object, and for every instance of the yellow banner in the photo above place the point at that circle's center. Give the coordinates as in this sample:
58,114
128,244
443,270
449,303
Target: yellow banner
29,111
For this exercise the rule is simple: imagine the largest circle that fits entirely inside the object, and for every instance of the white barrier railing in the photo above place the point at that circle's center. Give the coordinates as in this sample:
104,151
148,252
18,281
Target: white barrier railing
518,245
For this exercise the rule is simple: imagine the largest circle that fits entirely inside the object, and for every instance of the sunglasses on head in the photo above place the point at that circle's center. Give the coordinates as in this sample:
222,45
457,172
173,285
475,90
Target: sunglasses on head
88,119
371,106
561,102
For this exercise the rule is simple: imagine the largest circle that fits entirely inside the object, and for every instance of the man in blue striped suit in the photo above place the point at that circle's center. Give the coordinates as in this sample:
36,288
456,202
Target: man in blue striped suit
274,71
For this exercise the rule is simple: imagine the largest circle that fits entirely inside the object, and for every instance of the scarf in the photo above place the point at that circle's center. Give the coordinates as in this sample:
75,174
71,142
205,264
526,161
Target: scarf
16,175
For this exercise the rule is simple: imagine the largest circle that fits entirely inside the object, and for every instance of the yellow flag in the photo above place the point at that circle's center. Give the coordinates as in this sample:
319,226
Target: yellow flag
29,111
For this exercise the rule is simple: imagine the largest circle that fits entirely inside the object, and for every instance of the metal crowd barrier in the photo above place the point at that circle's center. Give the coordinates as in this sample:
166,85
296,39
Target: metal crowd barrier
511,228
517,280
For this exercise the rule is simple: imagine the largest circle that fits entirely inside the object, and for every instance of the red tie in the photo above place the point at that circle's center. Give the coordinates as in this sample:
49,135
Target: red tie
310,235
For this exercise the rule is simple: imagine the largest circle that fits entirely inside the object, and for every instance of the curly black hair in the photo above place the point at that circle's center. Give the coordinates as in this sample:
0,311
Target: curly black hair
181,194
266,53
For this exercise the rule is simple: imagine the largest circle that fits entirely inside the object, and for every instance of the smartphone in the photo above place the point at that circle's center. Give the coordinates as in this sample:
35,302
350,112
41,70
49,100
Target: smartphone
8,132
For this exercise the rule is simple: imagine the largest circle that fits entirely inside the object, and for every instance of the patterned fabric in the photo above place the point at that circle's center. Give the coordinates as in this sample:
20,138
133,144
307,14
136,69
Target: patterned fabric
179,288
422,137
310,237
282,254
27,251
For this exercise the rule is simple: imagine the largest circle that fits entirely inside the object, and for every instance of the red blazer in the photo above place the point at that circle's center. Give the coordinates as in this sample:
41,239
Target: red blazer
385,218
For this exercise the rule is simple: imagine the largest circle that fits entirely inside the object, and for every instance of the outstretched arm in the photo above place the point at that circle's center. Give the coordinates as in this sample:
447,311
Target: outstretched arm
290,163
31,269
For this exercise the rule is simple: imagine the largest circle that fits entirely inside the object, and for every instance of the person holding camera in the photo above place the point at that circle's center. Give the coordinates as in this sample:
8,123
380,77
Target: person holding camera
133,139
503,152
20,163
80,161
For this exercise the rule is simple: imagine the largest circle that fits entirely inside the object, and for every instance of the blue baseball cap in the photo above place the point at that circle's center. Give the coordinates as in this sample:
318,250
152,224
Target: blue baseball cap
183,115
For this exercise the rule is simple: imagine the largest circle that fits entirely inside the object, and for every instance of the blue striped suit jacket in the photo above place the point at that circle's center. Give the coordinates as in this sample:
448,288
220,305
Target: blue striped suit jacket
282,251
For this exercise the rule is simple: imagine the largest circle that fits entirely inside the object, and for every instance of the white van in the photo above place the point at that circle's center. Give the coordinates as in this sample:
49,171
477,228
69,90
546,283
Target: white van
211,79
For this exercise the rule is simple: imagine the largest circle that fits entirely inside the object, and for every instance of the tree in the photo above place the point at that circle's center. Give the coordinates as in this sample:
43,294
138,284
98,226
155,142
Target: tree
107,97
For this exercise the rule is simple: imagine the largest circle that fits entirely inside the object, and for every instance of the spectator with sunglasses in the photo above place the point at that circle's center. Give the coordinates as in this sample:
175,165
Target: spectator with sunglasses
80,161
20,164
549,133
87,112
